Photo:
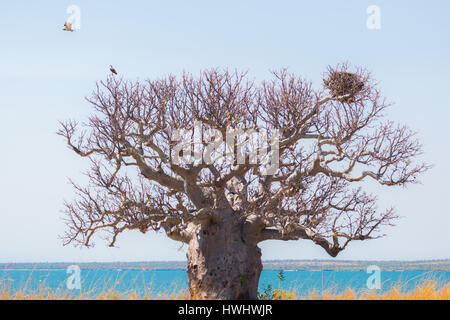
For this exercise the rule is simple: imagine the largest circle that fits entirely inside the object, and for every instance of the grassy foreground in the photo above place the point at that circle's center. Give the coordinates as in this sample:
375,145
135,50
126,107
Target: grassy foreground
427,290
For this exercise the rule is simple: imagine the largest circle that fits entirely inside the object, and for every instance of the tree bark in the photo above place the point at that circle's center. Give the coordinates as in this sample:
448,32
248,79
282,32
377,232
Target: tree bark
222,264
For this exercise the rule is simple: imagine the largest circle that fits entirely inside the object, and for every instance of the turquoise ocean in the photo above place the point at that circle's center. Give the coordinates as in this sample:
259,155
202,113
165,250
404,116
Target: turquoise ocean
167,282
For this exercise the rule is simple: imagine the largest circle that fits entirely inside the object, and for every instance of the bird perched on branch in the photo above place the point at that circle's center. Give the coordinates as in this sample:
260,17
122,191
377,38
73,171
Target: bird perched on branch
68,27
111,68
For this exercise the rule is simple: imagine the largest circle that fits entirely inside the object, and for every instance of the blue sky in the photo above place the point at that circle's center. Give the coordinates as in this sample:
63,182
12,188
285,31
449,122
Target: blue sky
45,74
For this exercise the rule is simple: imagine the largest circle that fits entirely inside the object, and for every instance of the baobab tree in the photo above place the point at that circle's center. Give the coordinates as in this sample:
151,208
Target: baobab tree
329,141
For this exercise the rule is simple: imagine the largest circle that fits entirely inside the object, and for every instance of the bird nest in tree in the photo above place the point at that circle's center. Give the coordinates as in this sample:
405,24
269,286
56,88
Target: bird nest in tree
344,83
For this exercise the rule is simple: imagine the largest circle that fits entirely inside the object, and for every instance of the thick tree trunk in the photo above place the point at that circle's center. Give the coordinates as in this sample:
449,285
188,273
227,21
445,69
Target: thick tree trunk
222,264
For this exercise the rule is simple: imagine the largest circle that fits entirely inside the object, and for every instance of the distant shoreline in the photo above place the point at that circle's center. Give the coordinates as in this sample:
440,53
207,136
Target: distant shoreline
311,265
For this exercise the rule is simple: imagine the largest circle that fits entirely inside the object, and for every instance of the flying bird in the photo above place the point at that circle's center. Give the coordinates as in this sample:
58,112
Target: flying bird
68,27
111,68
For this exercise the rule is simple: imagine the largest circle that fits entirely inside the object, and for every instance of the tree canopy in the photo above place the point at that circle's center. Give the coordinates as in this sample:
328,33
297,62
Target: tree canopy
329,138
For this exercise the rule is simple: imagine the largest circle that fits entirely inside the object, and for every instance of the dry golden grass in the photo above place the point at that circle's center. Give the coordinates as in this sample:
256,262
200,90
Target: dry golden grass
427,290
